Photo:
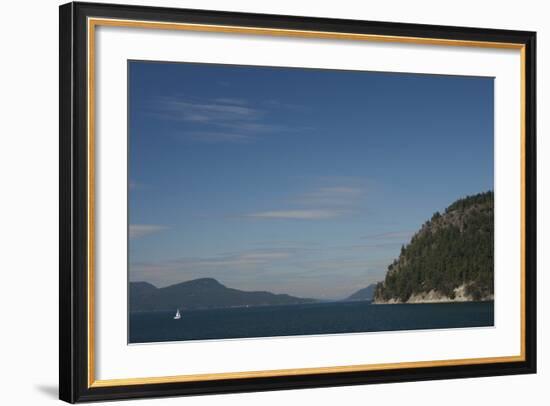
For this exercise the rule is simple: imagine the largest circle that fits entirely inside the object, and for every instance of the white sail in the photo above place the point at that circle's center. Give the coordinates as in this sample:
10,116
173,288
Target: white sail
178,315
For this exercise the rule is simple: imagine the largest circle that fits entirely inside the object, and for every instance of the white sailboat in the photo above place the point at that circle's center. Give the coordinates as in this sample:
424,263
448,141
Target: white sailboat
178,315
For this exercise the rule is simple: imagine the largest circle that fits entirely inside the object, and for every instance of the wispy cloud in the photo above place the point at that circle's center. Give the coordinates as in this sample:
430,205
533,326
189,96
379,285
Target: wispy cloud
223,262
217,111
321,203
305,214
141,230
251,257
220,119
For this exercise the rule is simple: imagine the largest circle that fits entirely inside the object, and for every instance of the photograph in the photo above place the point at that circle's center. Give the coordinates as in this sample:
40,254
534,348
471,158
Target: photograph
268,201
253,201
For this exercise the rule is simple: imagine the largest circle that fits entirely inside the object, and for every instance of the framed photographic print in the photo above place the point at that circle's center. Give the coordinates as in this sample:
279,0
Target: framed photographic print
256,202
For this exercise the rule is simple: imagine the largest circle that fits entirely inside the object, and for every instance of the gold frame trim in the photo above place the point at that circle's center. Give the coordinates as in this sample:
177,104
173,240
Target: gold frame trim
94,22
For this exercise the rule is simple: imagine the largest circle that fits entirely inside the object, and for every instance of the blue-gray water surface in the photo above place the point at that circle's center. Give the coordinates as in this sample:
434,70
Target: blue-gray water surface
305,319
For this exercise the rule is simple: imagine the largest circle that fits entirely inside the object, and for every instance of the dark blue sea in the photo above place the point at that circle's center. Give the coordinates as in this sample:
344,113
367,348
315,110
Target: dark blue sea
315,318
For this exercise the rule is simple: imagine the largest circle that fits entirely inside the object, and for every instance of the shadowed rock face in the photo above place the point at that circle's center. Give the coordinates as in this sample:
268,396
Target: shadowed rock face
449,259
201,293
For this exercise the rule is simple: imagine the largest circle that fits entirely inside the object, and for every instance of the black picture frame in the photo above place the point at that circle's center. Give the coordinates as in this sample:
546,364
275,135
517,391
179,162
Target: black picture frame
74,199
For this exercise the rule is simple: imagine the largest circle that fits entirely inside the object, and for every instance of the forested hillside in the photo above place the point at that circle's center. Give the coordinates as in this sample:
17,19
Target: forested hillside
450,258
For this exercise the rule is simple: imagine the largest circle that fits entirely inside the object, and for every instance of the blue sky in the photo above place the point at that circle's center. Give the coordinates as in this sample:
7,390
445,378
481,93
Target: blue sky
295,181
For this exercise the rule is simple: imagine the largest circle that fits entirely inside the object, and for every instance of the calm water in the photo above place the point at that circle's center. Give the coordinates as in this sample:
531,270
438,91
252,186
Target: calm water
317,318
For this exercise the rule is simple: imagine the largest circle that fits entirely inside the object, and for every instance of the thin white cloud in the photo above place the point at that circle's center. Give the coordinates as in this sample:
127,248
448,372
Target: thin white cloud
241,259
305,214
218,120
141,230
261,256
325,202
224,262
208,111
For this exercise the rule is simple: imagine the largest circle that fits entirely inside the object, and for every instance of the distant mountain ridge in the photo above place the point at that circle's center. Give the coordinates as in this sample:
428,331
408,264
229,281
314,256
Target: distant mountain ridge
364,294
449,259
203,293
